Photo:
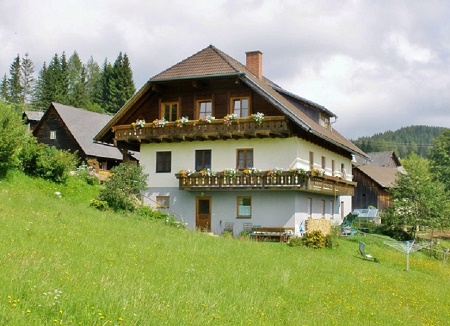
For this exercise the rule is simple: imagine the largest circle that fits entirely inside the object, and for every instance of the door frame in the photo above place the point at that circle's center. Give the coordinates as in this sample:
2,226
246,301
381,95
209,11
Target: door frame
199,221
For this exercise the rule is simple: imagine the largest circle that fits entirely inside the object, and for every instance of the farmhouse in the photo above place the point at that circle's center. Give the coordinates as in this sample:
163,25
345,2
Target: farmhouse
225,146
73,129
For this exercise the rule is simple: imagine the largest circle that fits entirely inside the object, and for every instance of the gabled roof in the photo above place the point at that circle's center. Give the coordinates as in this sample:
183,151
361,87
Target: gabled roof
211,62
382,159
83,125
32,115
384,176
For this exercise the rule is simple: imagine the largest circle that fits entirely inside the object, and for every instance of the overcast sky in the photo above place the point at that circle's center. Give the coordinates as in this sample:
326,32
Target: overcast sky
378,65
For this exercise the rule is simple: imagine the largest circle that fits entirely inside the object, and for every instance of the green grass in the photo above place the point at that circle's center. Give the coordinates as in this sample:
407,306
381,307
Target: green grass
63,262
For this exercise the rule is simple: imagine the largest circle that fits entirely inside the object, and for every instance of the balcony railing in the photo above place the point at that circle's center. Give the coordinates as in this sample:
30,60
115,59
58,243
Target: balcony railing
274,126
284,180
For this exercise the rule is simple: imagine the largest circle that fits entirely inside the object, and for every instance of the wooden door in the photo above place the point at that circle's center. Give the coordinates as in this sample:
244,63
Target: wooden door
203,213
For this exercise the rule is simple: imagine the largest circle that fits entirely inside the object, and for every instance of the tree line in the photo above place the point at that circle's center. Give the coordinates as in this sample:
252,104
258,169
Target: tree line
404,141
68,81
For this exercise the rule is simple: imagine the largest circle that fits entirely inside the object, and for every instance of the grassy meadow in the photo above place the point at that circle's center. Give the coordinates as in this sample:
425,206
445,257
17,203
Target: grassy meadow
65,263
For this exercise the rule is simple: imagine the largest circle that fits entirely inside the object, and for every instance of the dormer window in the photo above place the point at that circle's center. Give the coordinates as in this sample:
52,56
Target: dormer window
240,106
324,121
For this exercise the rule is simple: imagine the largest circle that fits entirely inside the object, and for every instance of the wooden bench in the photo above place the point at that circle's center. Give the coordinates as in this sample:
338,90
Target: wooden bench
281,233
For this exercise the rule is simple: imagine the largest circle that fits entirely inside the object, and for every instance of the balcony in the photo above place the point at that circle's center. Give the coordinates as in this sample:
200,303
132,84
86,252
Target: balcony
274,126
266,180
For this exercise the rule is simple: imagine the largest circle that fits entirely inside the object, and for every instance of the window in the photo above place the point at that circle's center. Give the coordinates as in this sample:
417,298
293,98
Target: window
323,208
204,108
53,134
343,169
324,162
311,160
309,207
240,107
324,121
333,167
163,162
162,201
244,207
169,111
202,159
331,209
244,158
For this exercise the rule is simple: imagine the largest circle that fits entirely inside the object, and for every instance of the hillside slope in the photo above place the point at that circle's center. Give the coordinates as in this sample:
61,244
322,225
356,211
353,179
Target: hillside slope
404,141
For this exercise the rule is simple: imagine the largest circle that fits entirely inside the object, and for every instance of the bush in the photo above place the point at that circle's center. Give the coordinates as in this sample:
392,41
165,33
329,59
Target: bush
87,173
99,204
123,188
295,242
332,240
12,136
40,160
314,239
227,233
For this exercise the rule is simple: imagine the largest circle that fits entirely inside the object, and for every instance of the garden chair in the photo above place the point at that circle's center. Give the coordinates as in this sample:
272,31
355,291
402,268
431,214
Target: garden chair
362,251
229,226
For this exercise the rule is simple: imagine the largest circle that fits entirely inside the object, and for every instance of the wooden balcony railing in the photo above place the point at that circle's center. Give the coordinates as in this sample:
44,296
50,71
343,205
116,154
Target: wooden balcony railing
284,180
274,126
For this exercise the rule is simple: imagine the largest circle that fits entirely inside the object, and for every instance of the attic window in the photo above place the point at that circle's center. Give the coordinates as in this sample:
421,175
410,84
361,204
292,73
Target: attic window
52,134
324,121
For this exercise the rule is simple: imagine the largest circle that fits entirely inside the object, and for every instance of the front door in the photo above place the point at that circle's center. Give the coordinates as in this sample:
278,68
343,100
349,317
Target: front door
203,213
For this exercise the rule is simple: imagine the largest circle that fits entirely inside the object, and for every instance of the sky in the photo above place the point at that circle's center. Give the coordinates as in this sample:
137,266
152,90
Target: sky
377,65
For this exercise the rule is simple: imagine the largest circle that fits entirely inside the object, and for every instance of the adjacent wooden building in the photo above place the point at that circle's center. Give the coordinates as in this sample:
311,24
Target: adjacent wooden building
374,177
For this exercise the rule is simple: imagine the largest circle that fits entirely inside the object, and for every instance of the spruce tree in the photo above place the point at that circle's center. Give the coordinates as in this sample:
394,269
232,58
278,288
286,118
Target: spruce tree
15,87
4,89
27,79
77,95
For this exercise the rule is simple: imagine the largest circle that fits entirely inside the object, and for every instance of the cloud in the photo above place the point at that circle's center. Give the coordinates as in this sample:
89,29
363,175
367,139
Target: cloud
379,65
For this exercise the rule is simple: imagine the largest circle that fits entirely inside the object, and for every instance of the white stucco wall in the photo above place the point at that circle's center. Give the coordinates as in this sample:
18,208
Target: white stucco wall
269,208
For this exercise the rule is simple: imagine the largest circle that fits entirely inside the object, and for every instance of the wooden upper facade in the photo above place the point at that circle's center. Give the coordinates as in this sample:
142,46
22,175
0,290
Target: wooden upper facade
211,96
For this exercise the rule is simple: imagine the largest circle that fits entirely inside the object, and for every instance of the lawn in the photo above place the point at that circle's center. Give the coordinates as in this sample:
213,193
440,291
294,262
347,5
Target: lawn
66,263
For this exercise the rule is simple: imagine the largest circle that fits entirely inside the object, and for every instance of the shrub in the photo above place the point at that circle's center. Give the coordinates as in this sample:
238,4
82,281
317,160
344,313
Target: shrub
87,174
123,188
40,160
314,239
172,221
99,204
227,233
295,242
12,136
332,240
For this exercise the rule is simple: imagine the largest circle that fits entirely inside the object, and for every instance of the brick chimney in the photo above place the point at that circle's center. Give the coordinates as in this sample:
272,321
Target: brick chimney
254,63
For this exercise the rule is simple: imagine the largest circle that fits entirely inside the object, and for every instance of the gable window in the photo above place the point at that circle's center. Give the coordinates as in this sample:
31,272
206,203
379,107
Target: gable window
204,108
163,162
324,121
244,158
169,111
162,201
244,207
202,159
53,134
240,106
